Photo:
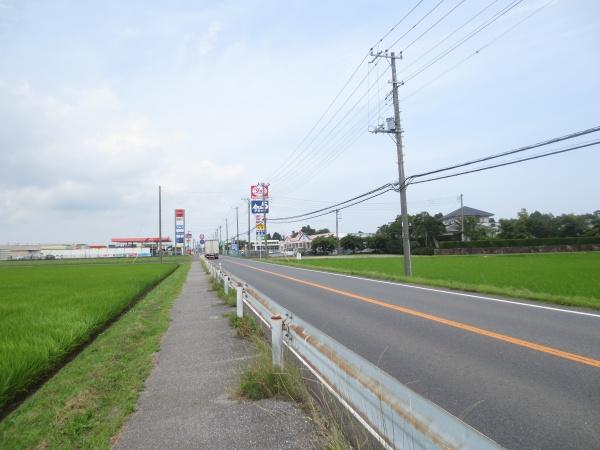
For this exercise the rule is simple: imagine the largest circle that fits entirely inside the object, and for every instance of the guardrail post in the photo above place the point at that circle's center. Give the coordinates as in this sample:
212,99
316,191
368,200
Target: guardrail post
226,284
277,341
239,305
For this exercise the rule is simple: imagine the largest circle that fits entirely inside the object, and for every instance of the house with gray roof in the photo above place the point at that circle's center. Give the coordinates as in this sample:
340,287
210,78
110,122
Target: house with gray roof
452,220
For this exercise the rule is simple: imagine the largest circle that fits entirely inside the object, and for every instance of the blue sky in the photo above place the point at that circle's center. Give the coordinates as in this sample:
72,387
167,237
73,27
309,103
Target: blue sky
102,101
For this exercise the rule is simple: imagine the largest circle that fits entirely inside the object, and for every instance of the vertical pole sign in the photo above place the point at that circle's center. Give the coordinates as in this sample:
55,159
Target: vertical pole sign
180,230
259,198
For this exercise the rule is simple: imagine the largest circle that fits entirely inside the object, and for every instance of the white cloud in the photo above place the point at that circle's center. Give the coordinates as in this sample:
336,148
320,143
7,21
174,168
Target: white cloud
209,38
83,153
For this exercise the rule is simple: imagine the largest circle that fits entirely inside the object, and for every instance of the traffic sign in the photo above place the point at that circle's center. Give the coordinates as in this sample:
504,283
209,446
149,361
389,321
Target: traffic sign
260,206
202,241
201,237
258,191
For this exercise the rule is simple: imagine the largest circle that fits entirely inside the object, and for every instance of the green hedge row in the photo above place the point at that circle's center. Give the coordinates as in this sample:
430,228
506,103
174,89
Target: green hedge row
521,242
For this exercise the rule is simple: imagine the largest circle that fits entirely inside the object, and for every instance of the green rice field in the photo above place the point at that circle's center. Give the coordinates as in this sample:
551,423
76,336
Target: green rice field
562,278
48,310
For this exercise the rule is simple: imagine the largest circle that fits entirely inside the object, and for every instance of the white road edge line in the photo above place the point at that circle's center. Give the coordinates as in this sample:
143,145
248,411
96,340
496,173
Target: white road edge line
422,288
344,403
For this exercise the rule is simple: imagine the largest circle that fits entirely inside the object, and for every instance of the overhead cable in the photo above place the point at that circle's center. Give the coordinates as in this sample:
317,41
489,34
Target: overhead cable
511,152
461,41
380,188
529,158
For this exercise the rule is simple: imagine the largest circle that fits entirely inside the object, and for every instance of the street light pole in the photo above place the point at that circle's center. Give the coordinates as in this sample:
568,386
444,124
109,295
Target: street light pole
160,252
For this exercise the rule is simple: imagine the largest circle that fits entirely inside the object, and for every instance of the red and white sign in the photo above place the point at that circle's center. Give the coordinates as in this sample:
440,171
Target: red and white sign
258,191
180,213
260,218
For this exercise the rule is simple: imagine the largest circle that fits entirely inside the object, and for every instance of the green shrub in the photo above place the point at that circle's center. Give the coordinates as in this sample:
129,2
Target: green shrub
246,326
264,380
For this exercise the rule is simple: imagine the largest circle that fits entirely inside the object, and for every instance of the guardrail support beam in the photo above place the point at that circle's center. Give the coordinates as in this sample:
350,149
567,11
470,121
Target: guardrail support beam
226,284
239,306
277,341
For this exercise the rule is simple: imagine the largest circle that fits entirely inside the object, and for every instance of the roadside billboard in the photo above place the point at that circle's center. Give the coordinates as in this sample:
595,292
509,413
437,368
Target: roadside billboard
259,191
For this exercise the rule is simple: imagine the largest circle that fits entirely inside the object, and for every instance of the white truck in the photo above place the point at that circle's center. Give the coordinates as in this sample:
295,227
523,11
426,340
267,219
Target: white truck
211,249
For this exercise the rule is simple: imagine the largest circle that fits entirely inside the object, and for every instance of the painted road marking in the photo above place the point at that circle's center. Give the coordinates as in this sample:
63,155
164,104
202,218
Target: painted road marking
451,323
441,291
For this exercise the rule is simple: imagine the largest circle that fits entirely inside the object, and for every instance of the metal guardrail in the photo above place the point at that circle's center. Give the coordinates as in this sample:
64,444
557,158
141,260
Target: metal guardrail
395,415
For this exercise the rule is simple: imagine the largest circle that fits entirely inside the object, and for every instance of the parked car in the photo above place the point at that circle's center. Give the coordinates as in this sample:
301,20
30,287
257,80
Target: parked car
50,257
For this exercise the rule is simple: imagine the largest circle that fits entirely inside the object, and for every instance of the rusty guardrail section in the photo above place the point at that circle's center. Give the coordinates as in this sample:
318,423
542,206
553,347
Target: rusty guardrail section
396,416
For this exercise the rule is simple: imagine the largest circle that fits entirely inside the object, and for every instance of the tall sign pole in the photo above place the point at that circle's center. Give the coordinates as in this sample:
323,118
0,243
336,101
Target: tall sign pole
237,229
226,235
248,245
160,252
264,186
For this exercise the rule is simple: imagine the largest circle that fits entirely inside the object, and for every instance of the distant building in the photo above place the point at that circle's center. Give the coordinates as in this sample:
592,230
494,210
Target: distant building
452,221
303,242
272,244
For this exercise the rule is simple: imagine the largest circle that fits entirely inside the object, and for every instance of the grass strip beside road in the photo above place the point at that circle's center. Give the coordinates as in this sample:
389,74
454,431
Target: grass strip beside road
562,278
85,404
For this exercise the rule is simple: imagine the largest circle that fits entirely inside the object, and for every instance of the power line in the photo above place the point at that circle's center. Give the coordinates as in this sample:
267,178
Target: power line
297,151
529,158
298,156
415,25
432,26
307,153
466,38
512,152
475,53
331,211
411,180
385,186
448,36
337,130
396,25
349,139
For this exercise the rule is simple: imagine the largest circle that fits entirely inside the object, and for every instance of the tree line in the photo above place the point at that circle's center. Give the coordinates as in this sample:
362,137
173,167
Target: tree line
426,231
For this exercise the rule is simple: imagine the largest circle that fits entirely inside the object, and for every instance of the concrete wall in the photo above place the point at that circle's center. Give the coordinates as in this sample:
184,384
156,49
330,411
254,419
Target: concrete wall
503,250
100,252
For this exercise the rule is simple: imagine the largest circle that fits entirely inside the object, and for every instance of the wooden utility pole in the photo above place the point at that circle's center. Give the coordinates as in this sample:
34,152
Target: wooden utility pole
337,234
462,220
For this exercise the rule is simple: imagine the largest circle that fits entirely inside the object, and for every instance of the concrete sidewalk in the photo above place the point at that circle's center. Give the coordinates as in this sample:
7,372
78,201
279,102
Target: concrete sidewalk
187,400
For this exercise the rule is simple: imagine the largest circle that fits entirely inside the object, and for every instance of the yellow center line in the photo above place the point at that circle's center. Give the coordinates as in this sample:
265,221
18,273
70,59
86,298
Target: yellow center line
451,323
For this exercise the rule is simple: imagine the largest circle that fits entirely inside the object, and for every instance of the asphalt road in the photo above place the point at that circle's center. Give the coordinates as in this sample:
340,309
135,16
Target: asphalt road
527,377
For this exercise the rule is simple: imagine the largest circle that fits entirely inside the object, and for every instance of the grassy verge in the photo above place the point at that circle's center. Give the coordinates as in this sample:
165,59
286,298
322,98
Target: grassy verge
262,380
229,299
246,326
561,278
85,404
